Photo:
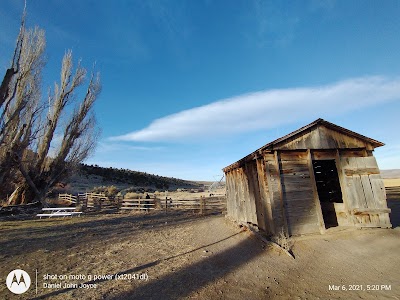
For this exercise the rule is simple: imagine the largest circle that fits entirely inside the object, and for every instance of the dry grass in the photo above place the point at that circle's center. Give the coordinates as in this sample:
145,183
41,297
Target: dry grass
390,182
285,242
133,195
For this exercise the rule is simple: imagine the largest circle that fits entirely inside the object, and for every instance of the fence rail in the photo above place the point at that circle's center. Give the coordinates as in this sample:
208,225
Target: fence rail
67,197
138,204
99,201
202,205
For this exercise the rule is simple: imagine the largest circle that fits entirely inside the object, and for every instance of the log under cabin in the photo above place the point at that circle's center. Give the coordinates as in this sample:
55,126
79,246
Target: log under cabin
319,176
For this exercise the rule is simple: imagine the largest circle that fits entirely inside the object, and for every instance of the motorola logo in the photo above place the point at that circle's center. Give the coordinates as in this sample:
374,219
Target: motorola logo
18,281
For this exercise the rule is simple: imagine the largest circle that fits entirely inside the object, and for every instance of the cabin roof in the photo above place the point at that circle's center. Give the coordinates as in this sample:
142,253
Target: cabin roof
299,132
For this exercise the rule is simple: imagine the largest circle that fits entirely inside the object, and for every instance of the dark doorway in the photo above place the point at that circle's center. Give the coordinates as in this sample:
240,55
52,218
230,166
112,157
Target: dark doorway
329,192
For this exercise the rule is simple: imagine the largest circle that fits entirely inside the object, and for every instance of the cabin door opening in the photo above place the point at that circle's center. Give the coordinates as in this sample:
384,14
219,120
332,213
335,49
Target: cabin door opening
329,191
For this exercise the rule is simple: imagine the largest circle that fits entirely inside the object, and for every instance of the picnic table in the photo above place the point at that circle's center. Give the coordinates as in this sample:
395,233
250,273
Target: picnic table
59,212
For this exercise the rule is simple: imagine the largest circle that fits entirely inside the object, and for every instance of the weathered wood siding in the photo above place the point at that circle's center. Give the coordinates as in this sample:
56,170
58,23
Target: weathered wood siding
364,192
298,193
274,187
323,138
267,221
256,205
241,189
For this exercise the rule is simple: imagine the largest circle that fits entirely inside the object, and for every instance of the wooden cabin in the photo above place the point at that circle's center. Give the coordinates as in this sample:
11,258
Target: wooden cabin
319,176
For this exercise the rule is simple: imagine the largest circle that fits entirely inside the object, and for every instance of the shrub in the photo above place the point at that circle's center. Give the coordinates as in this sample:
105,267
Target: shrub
284,241
111,191
132,195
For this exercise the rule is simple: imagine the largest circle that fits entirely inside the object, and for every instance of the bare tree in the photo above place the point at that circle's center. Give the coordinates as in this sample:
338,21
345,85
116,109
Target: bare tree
21,98
31,125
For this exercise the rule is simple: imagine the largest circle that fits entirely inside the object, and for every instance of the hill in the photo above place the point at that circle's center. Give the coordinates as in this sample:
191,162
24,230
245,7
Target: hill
90,176
392,173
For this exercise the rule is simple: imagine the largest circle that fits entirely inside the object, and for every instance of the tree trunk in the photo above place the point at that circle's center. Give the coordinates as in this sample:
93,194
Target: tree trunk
24,194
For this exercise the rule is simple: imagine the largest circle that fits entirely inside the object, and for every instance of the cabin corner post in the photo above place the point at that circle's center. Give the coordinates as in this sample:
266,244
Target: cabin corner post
321,223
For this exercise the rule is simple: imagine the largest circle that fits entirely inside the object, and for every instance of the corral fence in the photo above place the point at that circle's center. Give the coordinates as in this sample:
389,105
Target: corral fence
95,201
201,205
68,197
139,204
98,201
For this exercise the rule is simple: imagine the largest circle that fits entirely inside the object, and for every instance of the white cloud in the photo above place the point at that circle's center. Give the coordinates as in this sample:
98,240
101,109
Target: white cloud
104,147
268,109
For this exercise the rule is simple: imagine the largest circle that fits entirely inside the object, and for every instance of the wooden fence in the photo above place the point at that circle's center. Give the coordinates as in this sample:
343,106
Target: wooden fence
201,205
98,201
92,200
138,204
67,197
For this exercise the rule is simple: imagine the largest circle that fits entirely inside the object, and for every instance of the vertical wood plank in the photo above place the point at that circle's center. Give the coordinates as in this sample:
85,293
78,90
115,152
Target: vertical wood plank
279,186
315,193
345,187
378,188
252,188
359,190
369,196
264,197
255,195
273,196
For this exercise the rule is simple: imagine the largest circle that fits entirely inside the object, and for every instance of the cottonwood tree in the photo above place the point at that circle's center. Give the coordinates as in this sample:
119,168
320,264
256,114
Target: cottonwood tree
43,139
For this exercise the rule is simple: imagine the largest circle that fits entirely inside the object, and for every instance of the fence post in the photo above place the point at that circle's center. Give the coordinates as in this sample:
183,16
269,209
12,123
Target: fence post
166,205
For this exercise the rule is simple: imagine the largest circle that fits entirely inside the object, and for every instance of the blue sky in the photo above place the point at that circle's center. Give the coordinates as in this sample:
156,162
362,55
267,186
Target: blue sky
192,86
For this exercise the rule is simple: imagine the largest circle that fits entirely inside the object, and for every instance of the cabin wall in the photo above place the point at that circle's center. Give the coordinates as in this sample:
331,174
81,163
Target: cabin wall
241,195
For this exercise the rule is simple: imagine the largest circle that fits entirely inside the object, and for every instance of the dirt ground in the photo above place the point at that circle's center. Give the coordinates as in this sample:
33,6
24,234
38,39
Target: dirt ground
187,256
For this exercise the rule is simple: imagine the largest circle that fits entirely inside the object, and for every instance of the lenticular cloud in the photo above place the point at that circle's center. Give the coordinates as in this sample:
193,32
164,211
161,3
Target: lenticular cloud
269,108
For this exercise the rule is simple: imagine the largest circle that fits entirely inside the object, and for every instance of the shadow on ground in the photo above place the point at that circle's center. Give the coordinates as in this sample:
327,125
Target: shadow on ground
67,233
189,279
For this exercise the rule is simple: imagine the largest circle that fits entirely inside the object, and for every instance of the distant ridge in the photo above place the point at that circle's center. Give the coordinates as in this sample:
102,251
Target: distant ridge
392,173
108,176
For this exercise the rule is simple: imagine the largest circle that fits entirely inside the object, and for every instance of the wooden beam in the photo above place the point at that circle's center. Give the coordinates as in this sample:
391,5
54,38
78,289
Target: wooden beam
315,193
362,211
361,171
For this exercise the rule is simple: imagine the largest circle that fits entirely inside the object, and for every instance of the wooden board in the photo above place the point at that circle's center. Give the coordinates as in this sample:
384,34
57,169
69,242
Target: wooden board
378,189
365,192
258,209
352,153
292,155
298,197
272,174
323,154
266,210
